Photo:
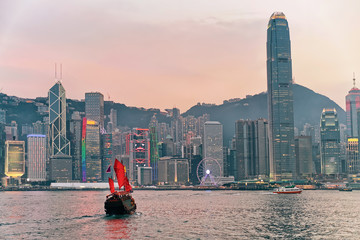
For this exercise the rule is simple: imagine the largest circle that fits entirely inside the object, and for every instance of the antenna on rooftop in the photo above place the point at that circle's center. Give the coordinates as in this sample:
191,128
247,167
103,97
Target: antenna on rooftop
354,78
60,70
55,71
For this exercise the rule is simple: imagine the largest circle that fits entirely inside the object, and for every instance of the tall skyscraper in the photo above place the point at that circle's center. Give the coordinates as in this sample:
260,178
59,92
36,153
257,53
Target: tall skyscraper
330,142
213,143
280,99
36,157
75,138
58,142
60,163
352,109
91,161
94,107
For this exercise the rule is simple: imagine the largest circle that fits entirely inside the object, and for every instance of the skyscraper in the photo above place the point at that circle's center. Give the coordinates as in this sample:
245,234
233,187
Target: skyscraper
60,163
91,162
36,152
330,142
303,150
213,143
94,107
352,109
280,99
252,149
75,138
58,142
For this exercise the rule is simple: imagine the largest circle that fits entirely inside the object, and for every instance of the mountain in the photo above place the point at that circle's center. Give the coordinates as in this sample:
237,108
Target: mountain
308,106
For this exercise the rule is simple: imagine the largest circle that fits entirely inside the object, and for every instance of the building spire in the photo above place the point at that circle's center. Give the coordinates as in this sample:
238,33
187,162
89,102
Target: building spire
354,79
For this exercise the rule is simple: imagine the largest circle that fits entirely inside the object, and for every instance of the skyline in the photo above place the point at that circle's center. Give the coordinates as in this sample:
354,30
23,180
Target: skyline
174,53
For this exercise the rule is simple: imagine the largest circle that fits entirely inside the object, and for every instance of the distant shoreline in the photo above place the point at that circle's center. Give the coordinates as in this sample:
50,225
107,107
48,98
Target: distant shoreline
146,189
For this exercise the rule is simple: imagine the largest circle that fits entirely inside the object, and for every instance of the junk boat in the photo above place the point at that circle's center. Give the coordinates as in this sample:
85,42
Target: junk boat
120,202
288,190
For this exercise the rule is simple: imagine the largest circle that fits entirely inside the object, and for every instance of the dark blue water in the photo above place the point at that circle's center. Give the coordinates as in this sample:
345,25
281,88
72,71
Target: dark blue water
182,215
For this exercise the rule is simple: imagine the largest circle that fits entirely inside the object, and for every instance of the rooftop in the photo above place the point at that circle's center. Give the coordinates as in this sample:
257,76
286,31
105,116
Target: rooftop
277,15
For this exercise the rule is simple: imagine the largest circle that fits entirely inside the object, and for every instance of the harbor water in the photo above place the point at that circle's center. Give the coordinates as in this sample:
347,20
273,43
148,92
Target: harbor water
320,214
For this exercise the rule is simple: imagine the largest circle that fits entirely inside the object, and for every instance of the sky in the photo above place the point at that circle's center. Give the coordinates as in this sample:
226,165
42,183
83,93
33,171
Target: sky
173,53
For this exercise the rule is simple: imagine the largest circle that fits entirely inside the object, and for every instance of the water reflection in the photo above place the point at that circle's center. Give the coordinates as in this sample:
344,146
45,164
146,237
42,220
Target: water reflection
117,227
287,217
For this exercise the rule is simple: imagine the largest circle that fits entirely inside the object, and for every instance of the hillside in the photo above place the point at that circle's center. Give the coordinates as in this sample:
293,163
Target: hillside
308,106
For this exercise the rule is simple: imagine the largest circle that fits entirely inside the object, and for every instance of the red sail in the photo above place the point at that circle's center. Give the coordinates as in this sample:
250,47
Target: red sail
120,173
128,188
112,187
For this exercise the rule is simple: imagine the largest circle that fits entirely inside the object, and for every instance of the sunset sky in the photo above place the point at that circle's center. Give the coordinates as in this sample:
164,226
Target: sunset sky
167,53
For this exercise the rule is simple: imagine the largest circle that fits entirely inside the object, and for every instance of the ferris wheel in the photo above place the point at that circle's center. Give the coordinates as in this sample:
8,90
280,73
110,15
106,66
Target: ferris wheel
209,171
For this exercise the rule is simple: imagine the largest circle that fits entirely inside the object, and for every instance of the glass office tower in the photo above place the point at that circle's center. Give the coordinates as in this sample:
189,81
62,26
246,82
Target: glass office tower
280,99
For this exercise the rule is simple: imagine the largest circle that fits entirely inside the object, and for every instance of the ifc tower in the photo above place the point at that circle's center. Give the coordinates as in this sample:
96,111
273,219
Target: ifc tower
280,99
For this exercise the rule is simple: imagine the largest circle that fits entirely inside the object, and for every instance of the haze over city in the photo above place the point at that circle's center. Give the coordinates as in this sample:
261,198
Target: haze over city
172,53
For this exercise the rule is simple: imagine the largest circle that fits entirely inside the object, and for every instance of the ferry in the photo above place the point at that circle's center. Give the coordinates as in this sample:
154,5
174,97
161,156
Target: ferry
288,190
345,189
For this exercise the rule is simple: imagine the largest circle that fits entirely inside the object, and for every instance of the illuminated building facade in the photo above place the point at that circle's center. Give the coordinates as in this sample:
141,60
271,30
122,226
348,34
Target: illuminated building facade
280,99
138,147
330,142
14,158
94,107
213,143
92,151
352,155
36,153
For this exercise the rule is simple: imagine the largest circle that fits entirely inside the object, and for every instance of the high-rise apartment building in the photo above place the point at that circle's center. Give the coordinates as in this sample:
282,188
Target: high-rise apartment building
36,154
330,142
213,143
280,99
94,107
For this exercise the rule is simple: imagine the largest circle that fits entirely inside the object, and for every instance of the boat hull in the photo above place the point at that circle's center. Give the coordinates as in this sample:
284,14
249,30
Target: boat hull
119,205
289,192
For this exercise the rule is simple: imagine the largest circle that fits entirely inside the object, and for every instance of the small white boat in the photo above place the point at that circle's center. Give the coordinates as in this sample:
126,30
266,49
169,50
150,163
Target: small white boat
288,190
